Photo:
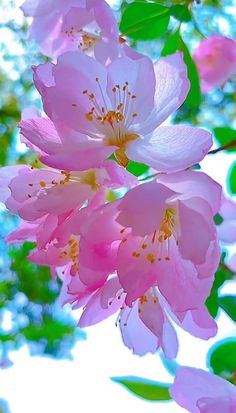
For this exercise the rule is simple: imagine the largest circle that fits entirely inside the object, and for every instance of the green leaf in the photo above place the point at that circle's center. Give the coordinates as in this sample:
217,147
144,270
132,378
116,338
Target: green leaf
223,274
226,136
137,168
232,178
222,357
228,304
147,389
181,12
144,21
172,45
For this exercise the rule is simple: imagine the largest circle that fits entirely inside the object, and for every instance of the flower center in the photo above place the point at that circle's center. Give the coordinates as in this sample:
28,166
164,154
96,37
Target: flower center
71,252
85,39
85,178
114,119
156,247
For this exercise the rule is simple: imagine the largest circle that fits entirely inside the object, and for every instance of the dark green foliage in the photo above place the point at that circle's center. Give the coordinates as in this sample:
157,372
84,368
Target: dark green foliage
225,137
181,12
137,168
228,304
29,293
222,358
218,219
232,178
33,281
144,21
223,274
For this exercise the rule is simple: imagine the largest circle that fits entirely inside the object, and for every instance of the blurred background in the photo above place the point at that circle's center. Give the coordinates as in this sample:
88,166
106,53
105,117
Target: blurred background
47,363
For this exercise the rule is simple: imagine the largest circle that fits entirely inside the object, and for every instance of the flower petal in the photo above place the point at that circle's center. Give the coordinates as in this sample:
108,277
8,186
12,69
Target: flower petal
136,336
79,160
171,148
172,87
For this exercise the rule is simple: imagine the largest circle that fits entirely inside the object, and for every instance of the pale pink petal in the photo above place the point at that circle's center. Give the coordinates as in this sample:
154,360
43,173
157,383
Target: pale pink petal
194,184
101,226
154,318
79,160
43,77
74,73
37,7
99,257
136,274
7,173
209,267
198,323
26,232
193,387
94,312
228,209
231,263
92,279
178,282
170,343
227,231
119,176
136,336
142,208
40,135
172,87
105,19
136,73
171,148
195,235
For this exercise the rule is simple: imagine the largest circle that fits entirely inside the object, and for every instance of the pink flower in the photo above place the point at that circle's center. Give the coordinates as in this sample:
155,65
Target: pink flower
59,26
113,112
227,229
146,325
36,193
216,61
202,392
160,233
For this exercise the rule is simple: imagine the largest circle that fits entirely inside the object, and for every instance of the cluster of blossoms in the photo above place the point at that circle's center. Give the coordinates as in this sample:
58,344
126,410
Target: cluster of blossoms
149,254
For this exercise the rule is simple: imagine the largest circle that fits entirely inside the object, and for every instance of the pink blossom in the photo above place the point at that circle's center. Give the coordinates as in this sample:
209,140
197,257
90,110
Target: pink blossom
216,61
227,229
53,204
201,392
107,108
34,193
160,233
145,326
59,26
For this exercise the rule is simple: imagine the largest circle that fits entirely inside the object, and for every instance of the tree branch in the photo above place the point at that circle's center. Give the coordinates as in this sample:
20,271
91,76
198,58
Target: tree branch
222,148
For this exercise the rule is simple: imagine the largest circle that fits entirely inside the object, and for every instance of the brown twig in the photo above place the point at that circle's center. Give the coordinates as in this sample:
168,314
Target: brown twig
221,148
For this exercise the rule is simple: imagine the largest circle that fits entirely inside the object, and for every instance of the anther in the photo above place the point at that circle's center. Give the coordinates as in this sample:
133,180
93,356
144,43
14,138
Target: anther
150,258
